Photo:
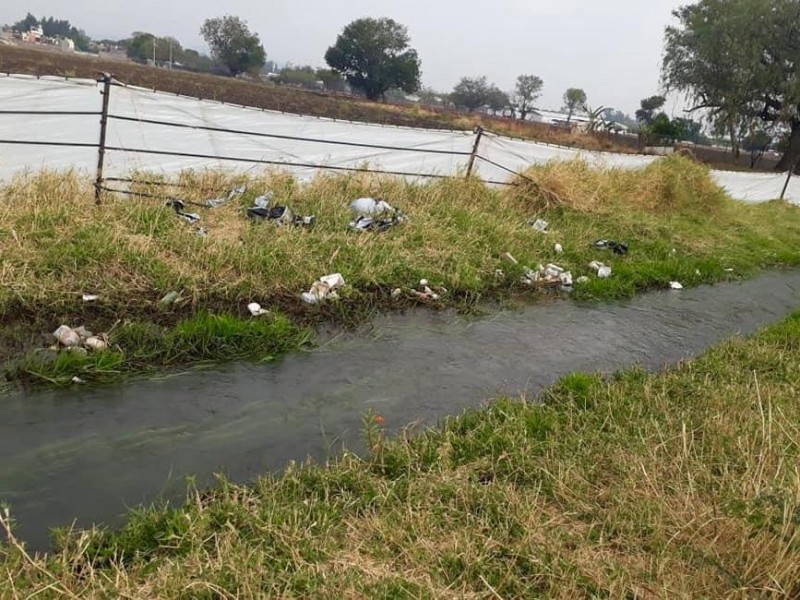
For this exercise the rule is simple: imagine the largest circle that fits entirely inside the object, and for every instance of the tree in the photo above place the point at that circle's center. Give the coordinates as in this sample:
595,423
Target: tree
373,55
526,92
332,80
233,45
497,99
472,92
739,61
25,24
649,106
574,99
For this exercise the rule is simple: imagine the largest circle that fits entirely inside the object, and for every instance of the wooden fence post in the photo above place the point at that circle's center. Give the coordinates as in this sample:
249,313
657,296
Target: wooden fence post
101,150
474,154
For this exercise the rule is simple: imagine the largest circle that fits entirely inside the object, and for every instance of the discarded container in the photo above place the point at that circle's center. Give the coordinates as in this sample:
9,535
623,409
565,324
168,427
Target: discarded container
170,298
566,279
558,248
539,225
675,285
335,281
596,265
553,271
396,293
90,297
83,333
604,272
67,337
231,195
95,343
77,380
371,207
256,310
324,289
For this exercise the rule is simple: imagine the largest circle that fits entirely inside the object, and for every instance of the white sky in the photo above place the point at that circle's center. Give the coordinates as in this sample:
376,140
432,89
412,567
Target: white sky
610,48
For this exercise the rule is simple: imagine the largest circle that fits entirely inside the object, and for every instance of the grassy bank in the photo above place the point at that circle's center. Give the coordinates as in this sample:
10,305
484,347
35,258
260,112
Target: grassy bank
682,484
56,246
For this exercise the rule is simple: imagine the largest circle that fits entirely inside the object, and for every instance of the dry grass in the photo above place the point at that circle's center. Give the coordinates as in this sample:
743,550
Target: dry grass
683,484
57,245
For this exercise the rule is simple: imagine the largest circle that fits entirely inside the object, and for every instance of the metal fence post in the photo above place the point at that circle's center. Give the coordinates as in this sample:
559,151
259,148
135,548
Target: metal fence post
789,178
101,150
474,154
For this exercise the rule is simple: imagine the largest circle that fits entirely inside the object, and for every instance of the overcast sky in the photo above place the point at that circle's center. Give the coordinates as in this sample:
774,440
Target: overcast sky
610,48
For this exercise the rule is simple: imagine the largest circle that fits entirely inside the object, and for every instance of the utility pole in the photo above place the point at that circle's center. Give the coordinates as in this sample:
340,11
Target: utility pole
154,50
170,54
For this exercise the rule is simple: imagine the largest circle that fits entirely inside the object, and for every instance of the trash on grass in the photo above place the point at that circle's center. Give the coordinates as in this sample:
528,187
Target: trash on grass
675,285
77,380
180,210
324,289
90,297
397,293
79,340
364,223
263,201
729,270
170,298
231,195
558,248
66,336
603,271
582,279
256,310
95,343
510,258
539,225
619,248
372,207
280,215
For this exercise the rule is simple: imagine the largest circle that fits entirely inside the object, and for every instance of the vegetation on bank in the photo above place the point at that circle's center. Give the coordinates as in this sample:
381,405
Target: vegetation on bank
682,484
57,245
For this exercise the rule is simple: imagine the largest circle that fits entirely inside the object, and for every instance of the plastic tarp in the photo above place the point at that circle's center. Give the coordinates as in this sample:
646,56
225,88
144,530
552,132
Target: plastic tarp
322,142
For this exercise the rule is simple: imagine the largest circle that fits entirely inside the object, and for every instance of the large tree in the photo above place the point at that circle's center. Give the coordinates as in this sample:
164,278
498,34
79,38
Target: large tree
373,55
648,108
739,60
574,99
233,44
526,92
472,92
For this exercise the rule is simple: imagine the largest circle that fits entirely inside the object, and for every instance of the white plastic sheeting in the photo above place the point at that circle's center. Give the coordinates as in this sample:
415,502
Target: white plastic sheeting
446,151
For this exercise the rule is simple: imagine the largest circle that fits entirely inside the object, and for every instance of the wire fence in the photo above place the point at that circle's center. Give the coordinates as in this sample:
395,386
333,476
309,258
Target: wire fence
103,148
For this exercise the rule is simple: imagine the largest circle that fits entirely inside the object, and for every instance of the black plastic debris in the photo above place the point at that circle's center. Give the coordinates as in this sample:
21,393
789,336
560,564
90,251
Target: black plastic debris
364,223
280,215
180,210
618,248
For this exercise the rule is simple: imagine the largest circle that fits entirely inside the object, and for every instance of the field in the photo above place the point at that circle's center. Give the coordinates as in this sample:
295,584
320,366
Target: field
56,245
677,485
33,61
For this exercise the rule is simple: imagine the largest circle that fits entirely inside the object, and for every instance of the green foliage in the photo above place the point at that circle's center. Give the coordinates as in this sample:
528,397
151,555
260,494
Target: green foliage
737,59
233,45
475,92
574,99
373,55
25,24
527,90
648,108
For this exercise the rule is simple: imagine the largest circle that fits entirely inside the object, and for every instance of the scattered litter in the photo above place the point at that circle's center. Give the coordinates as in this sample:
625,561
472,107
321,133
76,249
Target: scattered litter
566,279
170,298
397,293
364,223
95,343
77,380
256,310
698,273
66,336
511,258
551,276
499,274
425,293
202,231
79,340
729,270
231,195
673,252
80,350
582,279
558,248
280,215
263,201
603,271
619,248
324,289
372,207
554,271
180,210
675,285
90,297
539,225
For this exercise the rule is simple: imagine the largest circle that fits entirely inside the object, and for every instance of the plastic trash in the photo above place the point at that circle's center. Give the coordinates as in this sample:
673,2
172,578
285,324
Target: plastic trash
364,223
83,333
202,232
558,248
371,207
553,271
539,225
231,195
263,201
675,285
95,343
324,289
396,293
256,310
618,248
90,297
510,258
77,380
729,270
280,215
180,210
604,272
67,337
170,298
566,279
582,279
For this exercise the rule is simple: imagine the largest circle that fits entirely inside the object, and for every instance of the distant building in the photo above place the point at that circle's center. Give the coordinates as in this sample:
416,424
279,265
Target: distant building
66,45
34,35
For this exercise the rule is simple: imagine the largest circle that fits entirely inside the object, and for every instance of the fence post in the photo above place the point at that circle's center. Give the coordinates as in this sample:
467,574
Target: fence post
474,154
101,150
789,177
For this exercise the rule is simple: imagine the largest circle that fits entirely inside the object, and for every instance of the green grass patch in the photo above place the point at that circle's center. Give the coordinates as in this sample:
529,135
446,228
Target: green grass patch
680,484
